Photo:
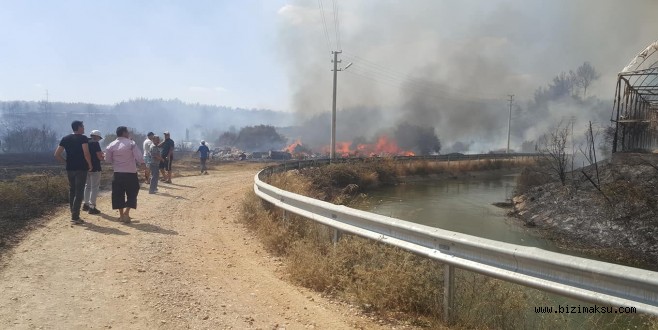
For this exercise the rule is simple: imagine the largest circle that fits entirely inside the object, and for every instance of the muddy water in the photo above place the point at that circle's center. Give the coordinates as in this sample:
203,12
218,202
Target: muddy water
461,205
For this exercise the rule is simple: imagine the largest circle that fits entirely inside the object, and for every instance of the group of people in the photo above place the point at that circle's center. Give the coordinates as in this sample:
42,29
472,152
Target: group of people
158,156
83,167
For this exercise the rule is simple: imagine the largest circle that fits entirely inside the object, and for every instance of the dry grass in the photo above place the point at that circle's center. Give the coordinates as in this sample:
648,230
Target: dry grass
374,276
379,278
530,177
26,197
385,280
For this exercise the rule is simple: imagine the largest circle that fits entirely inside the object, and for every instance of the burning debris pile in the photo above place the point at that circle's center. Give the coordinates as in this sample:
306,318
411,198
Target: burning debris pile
383,147
404,140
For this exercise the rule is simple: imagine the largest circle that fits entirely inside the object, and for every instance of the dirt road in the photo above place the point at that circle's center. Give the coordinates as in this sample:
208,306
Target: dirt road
185,262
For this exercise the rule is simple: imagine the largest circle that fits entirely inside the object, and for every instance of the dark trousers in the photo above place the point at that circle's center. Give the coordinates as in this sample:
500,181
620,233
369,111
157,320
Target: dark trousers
125,187
77,181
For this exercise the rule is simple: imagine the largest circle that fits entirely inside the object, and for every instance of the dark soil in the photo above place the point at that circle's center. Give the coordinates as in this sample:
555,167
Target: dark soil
618,220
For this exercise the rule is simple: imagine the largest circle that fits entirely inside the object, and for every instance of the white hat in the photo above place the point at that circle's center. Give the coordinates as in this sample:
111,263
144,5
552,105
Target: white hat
97,133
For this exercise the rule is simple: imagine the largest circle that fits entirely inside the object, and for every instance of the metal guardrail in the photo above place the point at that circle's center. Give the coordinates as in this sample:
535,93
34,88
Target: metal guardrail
583,279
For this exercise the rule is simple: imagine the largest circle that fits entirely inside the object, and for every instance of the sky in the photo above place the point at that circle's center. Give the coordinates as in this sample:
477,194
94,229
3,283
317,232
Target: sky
275,54
106,51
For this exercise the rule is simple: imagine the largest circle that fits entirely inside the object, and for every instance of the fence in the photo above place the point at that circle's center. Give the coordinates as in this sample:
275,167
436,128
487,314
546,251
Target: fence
583,279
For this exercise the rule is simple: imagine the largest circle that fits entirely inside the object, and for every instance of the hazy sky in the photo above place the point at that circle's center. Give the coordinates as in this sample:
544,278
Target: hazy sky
274,54
105,51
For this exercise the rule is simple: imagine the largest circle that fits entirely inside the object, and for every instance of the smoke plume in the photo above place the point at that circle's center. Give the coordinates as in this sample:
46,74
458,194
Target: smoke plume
451,65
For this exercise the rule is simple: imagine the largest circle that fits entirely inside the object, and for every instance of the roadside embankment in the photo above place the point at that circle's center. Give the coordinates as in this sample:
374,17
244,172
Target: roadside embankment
396,286
616,217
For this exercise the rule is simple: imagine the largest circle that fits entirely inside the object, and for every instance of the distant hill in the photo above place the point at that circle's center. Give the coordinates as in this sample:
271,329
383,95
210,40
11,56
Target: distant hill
144,115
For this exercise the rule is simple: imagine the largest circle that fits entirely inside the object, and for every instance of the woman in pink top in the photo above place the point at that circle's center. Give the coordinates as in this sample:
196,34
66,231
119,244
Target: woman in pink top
124,155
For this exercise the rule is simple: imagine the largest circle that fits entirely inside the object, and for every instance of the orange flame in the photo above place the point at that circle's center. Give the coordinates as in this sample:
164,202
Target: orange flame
383,147
292,146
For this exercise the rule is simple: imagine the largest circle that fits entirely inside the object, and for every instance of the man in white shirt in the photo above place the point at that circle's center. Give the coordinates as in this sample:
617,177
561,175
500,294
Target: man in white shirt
147,156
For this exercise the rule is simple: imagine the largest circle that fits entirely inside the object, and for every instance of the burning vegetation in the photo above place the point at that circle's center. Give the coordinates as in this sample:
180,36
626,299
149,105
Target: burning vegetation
383,146
403,140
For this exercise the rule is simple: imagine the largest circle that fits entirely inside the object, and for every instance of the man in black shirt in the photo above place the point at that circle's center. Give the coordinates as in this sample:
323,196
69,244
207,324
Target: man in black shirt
78,163
167,154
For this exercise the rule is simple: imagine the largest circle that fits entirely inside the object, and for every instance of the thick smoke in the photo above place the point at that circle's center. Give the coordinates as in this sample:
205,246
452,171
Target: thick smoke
452,64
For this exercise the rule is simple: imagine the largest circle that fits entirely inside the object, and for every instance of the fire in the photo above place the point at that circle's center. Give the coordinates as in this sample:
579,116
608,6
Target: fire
384,146
343,148
291,148
297,150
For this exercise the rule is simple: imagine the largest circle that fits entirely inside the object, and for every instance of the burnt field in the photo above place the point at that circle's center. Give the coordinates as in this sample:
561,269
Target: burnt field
14,165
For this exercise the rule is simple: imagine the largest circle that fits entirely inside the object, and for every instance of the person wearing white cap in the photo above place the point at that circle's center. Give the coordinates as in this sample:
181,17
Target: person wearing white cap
203,152
94,175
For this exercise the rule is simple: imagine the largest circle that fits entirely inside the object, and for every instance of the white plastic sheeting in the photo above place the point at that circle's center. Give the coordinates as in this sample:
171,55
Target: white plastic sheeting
636,63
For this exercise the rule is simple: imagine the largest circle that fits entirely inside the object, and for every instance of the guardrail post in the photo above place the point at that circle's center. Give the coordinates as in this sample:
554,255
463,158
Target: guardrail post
448,293
336,237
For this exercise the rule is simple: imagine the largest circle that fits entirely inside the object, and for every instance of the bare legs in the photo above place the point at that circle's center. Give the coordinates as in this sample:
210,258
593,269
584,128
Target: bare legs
124,214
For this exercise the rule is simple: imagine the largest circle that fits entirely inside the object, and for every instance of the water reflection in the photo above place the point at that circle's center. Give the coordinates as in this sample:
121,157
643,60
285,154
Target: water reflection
461,205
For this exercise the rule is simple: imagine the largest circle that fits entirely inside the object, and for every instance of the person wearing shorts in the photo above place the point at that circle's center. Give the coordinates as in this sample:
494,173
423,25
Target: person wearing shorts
124,155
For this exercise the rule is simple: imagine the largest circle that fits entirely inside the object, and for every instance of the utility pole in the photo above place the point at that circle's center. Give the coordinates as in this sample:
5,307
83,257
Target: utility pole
332,155
509,121
573,146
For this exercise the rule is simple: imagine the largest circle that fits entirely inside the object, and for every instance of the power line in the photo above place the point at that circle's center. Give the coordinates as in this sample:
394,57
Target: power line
375,66
424,90
336,25
380,70
416,85
324,24
421,89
